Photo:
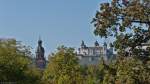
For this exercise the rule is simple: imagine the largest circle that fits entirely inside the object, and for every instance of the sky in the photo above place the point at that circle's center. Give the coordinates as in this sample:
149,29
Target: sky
57,22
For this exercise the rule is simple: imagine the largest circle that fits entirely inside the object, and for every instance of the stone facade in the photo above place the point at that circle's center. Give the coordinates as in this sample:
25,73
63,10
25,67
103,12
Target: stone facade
92,55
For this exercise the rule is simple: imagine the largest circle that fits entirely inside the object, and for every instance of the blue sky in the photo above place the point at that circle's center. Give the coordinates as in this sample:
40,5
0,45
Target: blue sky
58,22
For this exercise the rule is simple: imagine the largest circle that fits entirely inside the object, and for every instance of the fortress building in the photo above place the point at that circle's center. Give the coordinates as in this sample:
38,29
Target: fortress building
92,55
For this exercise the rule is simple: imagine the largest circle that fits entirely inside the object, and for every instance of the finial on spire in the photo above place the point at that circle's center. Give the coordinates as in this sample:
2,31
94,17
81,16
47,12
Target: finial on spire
105,44
96,43
39,41
111,45
82,44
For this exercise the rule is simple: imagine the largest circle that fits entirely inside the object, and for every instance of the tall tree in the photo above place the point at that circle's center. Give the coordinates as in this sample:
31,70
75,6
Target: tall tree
63,68
132,71
126,20
14,63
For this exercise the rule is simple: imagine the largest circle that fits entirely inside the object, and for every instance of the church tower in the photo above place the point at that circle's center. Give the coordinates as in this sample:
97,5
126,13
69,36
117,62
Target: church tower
40,59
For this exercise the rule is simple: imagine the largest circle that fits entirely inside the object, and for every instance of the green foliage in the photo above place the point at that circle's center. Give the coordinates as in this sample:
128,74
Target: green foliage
132,71
92,75
125,71
63,68
14,63
126,20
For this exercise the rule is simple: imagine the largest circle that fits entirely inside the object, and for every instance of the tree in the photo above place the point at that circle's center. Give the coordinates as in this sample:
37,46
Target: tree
63,68
124,71
132,71
92,75
126,20
14,63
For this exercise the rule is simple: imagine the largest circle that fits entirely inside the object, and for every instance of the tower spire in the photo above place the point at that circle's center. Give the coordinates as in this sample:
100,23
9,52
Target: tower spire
83,44
96,44
39,41
40,59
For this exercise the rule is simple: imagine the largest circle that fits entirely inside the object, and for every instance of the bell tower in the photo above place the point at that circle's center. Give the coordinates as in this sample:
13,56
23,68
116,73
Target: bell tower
40,59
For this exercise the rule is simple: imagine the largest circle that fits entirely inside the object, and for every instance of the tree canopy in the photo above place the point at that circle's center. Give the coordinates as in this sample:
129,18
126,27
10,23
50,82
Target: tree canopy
15,61
126,20
63,68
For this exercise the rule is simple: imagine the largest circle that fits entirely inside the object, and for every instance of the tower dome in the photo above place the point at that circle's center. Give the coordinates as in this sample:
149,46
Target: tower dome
96,43
83,44
40,59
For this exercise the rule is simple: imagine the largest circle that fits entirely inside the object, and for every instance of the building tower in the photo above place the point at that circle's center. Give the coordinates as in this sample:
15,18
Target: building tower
40,59
96,44
83,44
105,51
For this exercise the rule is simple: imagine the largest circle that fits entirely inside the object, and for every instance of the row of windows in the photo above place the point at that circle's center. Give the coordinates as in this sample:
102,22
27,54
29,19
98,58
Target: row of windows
91,52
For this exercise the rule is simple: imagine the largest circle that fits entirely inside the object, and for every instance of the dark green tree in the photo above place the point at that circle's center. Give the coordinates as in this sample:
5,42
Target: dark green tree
126,20
15,61
132,71
92,75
